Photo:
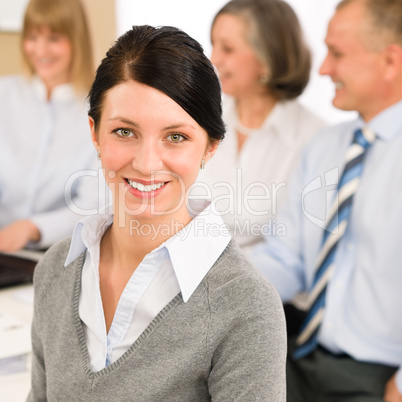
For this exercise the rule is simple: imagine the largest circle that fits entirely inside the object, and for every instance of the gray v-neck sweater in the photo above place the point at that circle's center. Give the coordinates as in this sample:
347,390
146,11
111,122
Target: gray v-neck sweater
227,343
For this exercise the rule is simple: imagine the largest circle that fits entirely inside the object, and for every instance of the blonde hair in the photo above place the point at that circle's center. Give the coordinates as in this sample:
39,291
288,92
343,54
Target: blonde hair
65,17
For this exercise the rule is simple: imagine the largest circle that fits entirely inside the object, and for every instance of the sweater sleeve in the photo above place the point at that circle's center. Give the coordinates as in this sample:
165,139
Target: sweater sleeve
38,376
43,274
249,360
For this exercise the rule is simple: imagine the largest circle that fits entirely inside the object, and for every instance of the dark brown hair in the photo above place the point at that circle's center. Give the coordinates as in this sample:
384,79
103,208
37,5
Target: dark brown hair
275,34
170,61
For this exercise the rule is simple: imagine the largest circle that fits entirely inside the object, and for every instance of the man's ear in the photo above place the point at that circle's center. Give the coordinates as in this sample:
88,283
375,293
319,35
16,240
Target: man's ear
392,62
94,135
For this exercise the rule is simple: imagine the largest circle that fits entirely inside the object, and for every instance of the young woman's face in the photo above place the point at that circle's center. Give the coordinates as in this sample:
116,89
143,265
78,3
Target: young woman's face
49,54
151,150
238,67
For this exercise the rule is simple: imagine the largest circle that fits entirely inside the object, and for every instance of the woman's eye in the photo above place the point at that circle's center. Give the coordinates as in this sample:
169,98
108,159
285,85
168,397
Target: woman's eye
227,49
175,137
124,132
336,54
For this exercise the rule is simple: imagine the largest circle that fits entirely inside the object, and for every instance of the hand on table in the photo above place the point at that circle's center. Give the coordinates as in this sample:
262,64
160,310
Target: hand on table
17,235
392,393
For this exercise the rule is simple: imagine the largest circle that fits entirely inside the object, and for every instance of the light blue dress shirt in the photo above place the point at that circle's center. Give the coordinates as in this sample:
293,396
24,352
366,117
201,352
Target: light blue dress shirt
362,316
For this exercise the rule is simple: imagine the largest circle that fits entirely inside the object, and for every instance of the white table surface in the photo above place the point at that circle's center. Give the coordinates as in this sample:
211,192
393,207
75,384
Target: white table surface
16,301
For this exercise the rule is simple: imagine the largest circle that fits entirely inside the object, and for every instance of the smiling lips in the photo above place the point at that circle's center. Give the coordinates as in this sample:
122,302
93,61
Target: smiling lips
146,188
338,85
143,190
44,61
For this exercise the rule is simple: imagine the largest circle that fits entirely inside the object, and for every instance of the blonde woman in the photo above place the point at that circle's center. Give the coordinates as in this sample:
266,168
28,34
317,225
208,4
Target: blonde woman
44,129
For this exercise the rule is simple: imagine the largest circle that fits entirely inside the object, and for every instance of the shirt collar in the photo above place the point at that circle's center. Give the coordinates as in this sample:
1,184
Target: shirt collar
64,92
388,123
206,237
280,119
86,232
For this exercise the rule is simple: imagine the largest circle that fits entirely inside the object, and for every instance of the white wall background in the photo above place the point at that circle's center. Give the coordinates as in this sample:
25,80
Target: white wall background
195,17
12,14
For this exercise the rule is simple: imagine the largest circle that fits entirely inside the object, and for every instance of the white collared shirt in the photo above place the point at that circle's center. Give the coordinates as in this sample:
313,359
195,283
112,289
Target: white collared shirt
249,187
45,144
177,265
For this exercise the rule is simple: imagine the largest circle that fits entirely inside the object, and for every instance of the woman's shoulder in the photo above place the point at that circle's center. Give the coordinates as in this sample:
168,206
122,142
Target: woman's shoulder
51,263
233,274
10,79
12,82
306,115
243,303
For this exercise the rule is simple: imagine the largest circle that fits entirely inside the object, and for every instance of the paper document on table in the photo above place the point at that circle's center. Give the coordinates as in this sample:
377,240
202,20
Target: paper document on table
25,295
15,336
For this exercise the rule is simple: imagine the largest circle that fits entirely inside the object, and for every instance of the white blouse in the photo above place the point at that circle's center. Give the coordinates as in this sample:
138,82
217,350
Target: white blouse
248,188
177,265
44,147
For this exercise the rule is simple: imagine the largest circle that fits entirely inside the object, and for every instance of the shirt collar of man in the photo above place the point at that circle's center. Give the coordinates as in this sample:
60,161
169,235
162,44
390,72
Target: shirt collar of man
388,123
206,236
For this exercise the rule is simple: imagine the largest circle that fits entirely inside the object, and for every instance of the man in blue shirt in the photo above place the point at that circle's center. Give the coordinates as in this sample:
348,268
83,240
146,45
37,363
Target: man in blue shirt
351,349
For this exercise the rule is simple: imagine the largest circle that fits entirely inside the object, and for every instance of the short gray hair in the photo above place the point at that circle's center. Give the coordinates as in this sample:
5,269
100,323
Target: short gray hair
384,21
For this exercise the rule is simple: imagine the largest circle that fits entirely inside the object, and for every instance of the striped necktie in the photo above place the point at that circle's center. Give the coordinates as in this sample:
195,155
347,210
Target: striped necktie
339,214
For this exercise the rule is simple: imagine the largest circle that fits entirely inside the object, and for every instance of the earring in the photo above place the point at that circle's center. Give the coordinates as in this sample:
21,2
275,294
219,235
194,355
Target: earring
264,78
98,154
203,164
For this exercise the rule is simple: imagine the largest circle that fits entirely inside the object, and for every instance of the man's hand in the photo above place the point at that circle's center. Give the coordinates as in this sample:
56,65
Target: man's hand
17,235
392,393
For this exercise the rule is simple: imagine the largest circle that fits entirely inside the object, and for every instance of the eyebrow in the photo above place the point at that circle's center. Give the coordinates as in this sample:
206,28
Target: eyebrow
171,127
332,48
125,121
179,125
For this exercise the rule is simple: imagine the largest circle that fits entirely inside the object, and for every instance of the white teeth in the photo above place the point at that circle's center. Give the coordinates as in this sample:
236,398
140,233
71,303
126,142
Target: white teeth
143,188
338,85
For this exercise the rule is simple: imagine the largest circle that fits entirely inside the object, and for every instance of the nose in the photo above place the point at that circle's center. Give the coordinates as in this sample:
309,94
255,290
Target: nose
40,47
325,68
38,41
148,158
